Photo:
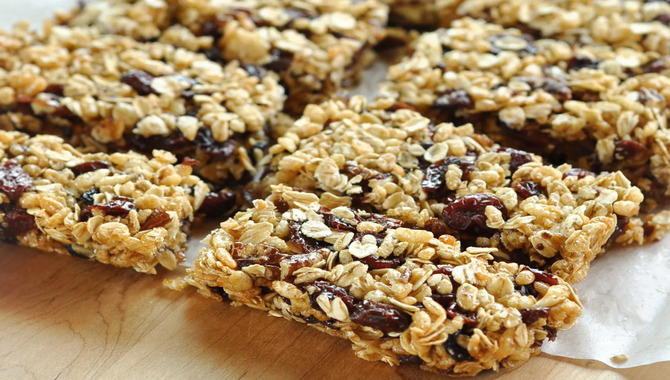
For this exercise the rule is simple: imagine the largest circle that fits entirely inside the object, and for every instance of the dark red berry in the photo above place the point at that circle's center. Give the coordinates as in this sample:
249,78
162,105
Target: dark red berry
119,206
280,60
468,213
542,276
378,263
528,189
579,62
139,80
453,100
517,158
380,316
13,180
434,181
158,218
627,149
655,66
530,316
331,291
19,222
455,350
579,173
89,166
218,204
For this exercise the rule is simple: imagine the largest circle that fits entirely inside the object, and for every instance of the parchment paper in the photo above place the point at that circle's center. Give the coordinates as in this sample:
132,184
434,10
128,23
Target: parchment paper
626,295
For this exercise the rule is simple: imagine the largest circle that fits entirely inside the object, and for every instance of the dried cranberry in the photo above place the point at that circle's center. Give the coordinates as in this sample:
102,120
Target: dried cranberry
13,180
448,302
188,161
412,360
301,243
174,142
380,316
158,218
401,106
621,224
254,71
517,158
74,253
663,18
87,197
468,212
542,276
579,62
385,221
434,180
579,173
334,222
295,262
655,66
625,149
551,333
89,166
378,263
453,100
455,350
119,206
281,204
139,80
436,226
331,291
56,89
19,222
218,204
217,151
280,60
219,290
528,189
530,316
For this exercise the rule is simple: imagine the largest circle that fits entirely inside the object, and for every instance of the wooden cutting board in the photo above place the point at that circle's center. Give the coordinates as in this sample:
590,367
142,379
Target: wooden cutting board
67,318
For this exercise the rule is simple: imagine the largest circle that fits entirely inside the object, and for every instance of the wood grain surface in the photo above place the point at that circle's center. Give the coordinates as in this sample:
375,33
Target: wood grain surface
67,318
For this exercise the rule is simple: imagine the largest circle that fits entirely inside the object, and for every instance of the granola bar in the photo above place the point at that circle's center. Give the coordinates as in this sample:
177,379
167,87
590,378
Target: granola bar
398,293
123,209
448,179
111,93
318,47
598,107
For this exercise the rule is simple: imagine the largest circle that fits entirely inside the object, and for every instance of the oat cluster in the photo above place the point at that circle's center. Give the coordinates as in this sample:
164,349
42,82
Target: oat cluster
440,224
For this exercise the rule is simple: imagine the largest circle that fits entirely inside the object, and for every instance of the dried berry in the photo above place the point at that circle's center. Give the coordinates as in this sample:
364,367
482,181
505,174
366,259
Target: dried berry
436,226
139,80
409,360
87,197
649,95
542,276
74,253
530,316
219,290
188,161
448,302
335,223
557,87
579,62
281,204
453,100
628,149
174,142
579,173
434,181
331,291
378,263
13,180
655,66
89,166
528,189
18,222
380,316
158,218
119,206
254,71
455,350
280,60
517,158
621,224
217,151
56,89
218,204
301,243
468,212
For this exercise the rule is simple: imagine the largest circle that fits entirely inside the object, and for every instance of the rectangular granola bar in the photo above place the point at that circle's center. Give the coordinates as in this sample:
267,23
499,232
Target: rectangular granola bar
386,159
317,47
597,107
110,93
398,293
123,209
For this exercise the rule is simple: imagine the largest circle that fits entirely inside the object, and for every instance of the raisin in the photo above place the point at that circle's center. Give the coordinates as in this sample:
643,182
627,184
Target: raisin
19,222
530,316
280,60
579,62
453,100
218,204
401,106
301,243
56,89
448,302
87,197
409,360
436,226
139,80
217,151
655,66
331,291
468,212
455,350
281,204
295,262
336,223
379,263
219,290
254,71
380,316
625,149
528,189
89,166
517,158
579,173
174,142
158,218
119,206
434,180
663,18
557,87
188,161
542,276
551,333
209,28
13,180
621,224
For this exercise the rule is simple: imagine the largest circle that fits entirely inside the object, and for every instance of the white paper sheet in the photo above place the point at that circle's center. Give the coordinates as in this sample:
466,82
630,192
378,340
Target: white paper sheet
626,295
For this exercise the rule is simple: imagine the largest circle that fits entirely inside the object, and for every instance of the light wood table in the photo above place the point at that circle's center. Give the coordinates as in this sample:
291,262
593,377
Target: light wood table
67,318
